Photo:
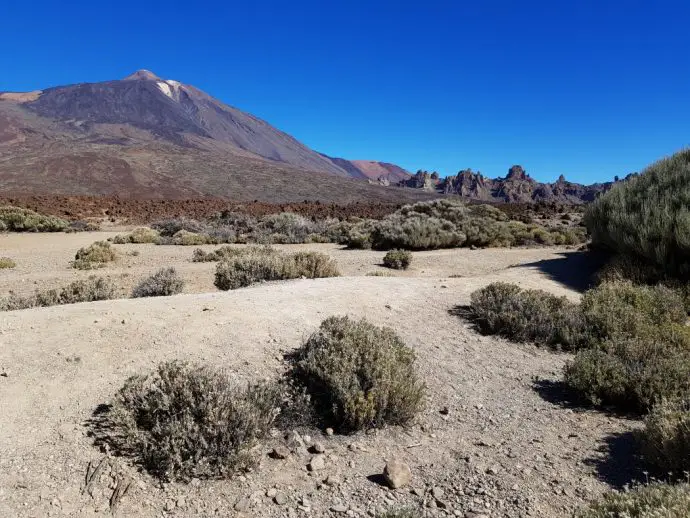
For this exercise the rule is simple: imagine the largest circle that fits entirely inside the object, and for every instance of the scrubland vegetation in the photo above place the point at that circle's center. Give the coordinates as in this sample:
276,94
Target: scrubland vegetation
629,334
163,283
87,290
183,421
94,256
6,262
15,219
397,259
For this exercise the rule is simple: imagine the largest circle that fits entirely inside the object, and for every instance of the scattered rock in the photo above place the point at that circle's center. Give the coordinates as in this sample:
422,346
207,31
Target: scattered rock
242,505
317,447
317,463
280,499
329,431
280,452
397,473
438,493
339,508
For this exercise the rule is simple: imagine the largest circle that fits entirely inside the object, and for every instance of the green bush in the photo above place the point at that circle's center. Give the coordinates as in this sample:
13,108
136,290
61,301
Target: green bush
94,256
651,501
648,216
270,265
634,372
398,259
138,235
86,290
359,376
16,219
163,283
666,437
183,421
532,315
227,252
6,262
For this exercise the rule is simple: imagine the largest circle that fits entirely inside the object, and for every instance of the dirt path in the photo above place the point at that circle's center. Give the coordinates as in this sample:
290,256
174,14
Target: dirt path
507,447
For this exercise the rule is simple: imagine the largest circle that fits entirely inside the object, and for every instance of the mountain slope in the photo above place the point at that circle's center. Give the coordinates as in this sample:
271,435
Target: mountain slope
147,137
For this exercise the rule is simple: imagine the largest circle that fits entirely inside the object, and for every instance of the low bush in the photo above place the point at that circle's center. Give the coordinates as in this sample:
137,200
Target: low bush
398,259
94,256
138,235
532,315
224,252
86,290
163,283
170,227
184,421
634,372
6,262
650,501
82,226
666,437
186,238
16,219
359,375
270,265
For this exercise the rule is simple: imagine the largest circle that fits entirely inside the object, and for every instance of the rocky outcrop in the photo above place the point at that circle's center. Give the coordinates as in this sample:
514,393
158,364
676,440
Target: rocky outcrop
519,187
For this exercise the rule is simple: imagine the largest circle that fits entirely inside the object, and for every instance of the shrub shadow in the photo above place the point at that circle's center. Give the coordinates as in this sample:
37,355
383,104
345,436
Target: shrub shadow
559,393
618,462
576,270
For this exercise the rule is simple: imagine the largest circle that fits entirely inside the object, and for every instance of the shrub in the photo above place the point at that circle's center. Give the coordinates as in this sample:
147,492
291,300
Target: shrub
666,436
170,227
190,238
398,259
183,421
224,252
634,372
533,315
359,375
86,290
271,265
415,231
647,216
6,262
94,256
651,501
83,226
16,219
138,235
163,283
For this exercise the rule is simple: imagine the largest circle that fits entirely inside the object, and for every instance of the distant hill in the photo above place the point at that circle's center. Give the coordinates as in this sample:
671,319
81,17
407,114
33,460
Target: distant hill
147,137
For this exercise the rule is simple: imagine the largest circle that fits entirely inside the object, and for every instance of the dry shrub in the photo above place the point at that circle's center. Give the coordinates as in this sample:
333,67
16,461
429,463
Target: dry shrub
86,290
666,437
359,375
186,238
163,283
83,226
226,252
266,264
94,256
138,235
532,315
398,259
650,501
6,262
16,219
184,421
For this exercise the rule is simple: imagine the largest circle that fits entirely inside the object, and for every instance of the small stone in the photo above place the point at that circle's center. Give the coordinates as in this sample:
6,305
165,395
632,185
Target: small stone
317,463
317,447
271,493
331,481
445,410
306,439
438,493
329,431
242,505
280,452
280,499
339,508
397,473
494,470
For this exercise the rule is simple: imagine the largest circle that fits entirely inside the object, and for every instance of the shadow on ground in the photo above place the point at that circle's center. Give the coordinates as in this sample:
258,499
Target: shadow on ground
558,393
617,460
575,270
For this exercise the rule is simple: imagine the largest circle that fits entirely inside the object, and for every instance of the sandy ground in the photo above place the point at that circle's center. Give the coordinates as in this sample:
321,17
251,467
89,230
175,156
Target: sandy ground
510,445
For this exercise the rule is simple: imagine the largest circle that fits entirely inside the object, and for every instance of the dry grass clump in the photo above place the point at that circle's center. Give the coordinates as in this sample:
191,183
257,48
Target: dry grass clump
94,256
666,437
138,235
266,264
16,219
184,421
186,238
359,375
86,290
163,283
650,501
398,259
227,252
6,262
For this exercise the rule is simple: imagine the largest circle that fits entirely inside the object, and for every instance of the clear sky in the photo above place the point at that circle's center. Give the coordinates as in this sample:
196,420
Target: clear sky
586,88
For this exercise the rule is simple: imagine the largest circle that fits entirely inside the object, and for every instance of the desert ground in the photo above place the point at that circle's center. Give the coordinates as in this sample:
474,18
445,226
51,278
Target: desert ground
498,438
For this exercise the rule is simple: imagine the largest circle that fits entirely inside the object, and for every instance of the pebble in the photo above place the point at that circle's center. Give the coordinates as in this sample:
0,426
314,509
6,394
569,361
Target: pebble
397,473
280,499
317,463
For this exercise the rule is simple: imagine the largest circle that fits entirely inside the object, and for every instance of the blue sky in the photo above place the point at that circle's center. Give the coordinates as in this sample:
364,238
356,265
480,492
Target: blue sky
589,89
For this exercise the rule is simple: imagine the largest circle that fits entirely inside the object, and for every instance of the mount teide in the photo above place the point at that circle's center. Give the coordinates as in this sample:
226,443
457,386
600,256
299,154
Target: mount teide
147,137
